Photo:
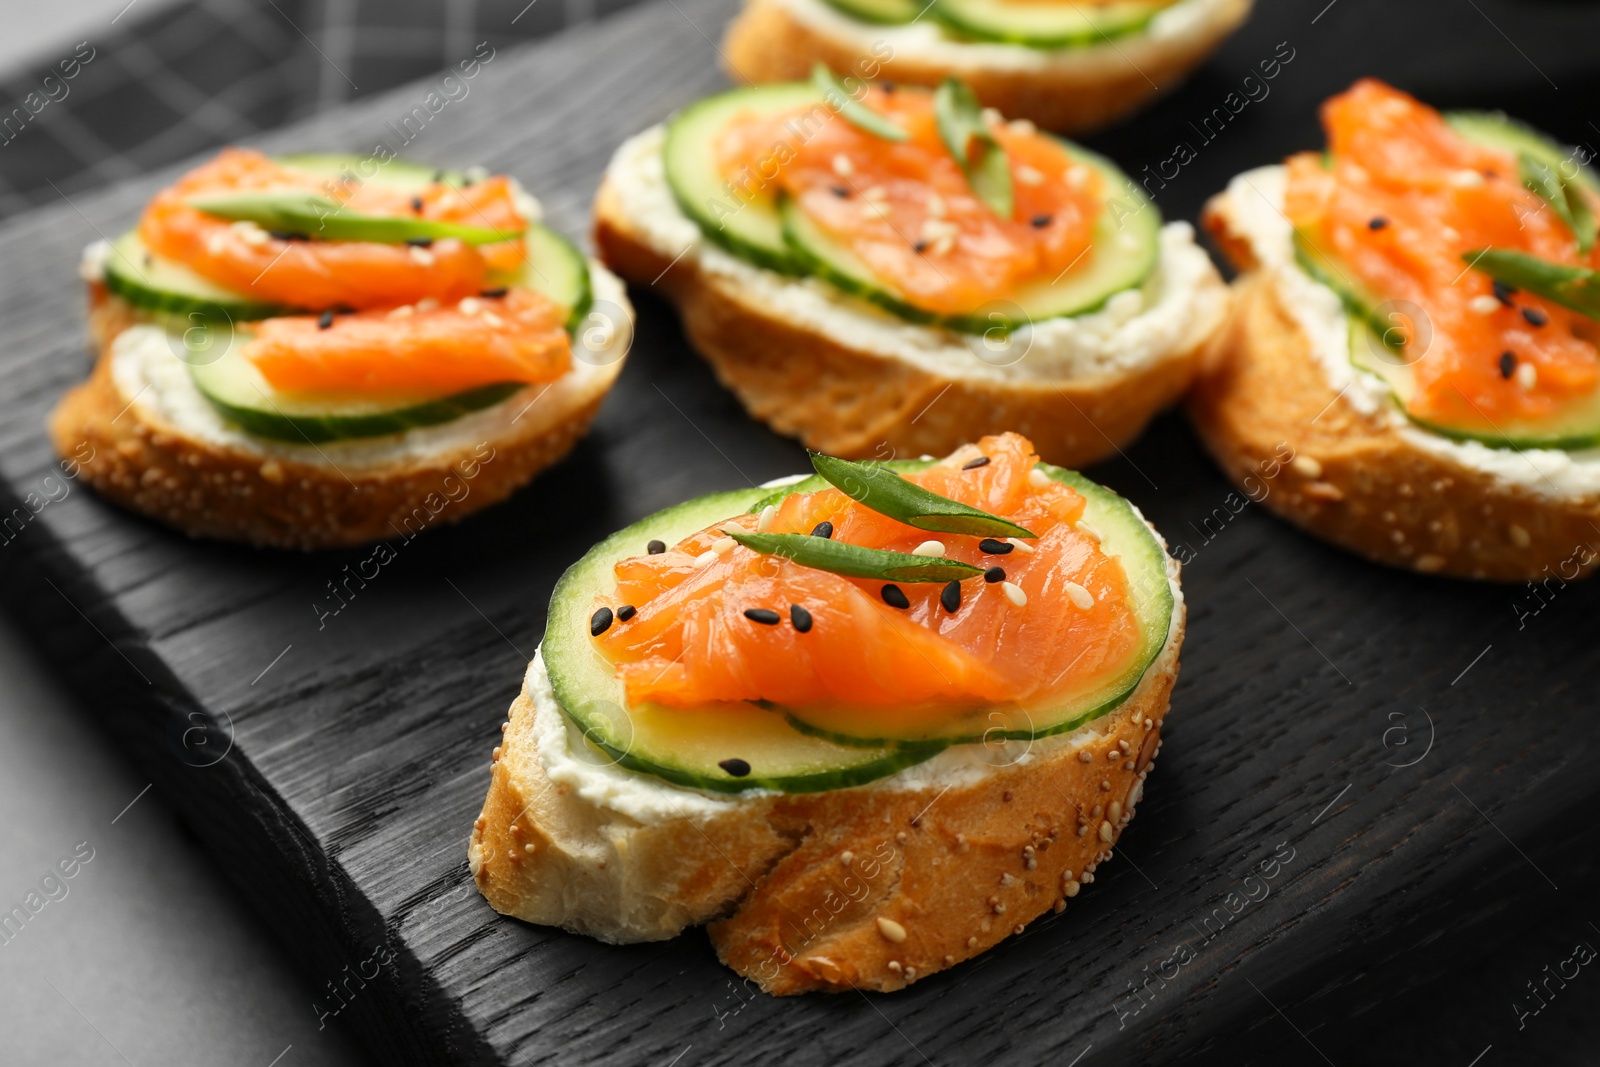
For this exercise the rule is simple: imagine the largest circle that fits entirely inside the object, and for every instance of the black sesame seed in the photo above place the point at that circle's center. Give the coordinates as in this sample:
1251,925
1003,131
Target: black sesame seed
599,622
1039,222
438,176
995,548
1508,364
994,574
416,204
887,87
626,612
467,183
1535,317
736,767
494,294
950,597
800,617
920,247
419,242
895,597
325,320
286,235
822,529
765,616
1377,222
974,464
840,191
655,548
1503,292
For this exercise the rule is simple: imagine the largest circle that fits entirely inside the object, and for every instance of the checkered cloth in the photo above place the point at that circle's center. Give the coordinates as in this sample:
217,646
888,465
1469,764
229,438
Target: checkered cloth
153,87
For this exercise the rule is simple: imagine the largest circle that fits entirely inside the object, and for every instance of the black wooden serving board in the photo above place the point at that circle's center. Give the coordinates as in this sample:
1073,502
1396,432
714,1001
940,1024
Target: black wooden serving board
1416,753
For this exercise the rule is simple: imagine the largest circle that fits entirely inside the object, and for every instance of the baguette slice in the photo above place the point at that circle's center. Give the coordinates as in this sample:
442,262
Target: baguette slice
1361,476
823,369
151,444
871,887
1073,90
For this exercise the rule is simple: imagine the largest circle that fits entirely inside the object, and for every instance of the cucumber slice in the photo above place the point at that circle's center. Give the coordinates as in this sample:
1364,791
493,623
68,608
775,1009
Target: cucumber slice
1047,25
1127,245
555,269
686,746
234,386
880,12
1499,130
1123,535
1373,338
165,286
741,216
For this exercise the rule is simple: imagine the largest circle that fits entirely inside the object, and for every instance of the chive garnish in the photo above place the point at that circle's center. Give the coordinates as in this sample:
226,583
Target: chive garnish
854,561
969,139
1565,198
309,213
882,490
852,110
1577,288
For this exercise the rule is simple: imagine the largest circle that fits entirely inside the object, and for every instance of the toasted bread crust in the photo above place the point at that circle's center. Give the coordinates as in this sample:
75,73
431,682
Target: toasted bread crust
134,458
797,884
855,402
1354,480
767,43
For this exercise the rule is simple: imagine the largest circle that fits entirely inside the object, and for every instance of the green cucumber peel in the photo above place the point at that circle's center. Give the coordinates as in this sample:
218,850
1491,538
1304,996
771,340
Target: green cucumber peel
308,213
874,486
1577,288
854,561
1565,198
852,110
980,156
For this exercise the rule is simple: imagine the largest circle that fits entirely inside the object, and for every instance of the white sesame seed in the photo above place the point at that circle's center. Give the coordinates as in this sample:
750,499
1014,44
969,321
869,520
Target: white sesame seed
1527,375
891,930
929,548
943,245
401,312
764,523
1015,594
723,545
1038,479
1023,127
934,229
1307,467
1107,832
1020,545
875,193
1084,527
842,165
936,205
1466,178
992,116
470,305
1519,536
427,303
216,241
1485,304
705,559
1449,234
1029,175
1077,176
847,857
1114,810
251,234
421,256
1081,598
493,320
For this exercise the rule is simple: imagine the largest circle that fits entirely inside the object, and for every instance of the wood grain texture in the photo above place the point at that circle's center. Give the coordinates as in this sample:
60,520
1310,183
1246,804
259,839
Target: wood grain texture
334,762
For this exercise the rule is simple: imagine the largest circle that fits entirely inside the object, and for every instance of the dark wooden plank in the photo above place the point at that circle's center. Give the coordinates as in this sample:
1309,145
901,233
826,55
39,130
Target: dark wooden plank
335,766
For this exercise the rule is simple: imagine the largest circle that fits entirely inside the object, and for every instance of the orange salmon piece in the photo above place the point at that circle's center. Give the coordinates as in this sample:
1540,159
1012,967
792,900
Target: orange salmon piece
906,209
436,351
322,274
689,642
1407,197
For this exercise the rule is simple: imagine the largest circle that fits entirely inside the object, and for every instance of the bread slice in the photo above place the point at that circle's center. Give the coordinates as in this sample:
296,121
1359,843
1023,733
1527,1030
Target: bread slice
851,380
143,436
1353,470
1072,90
870,887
